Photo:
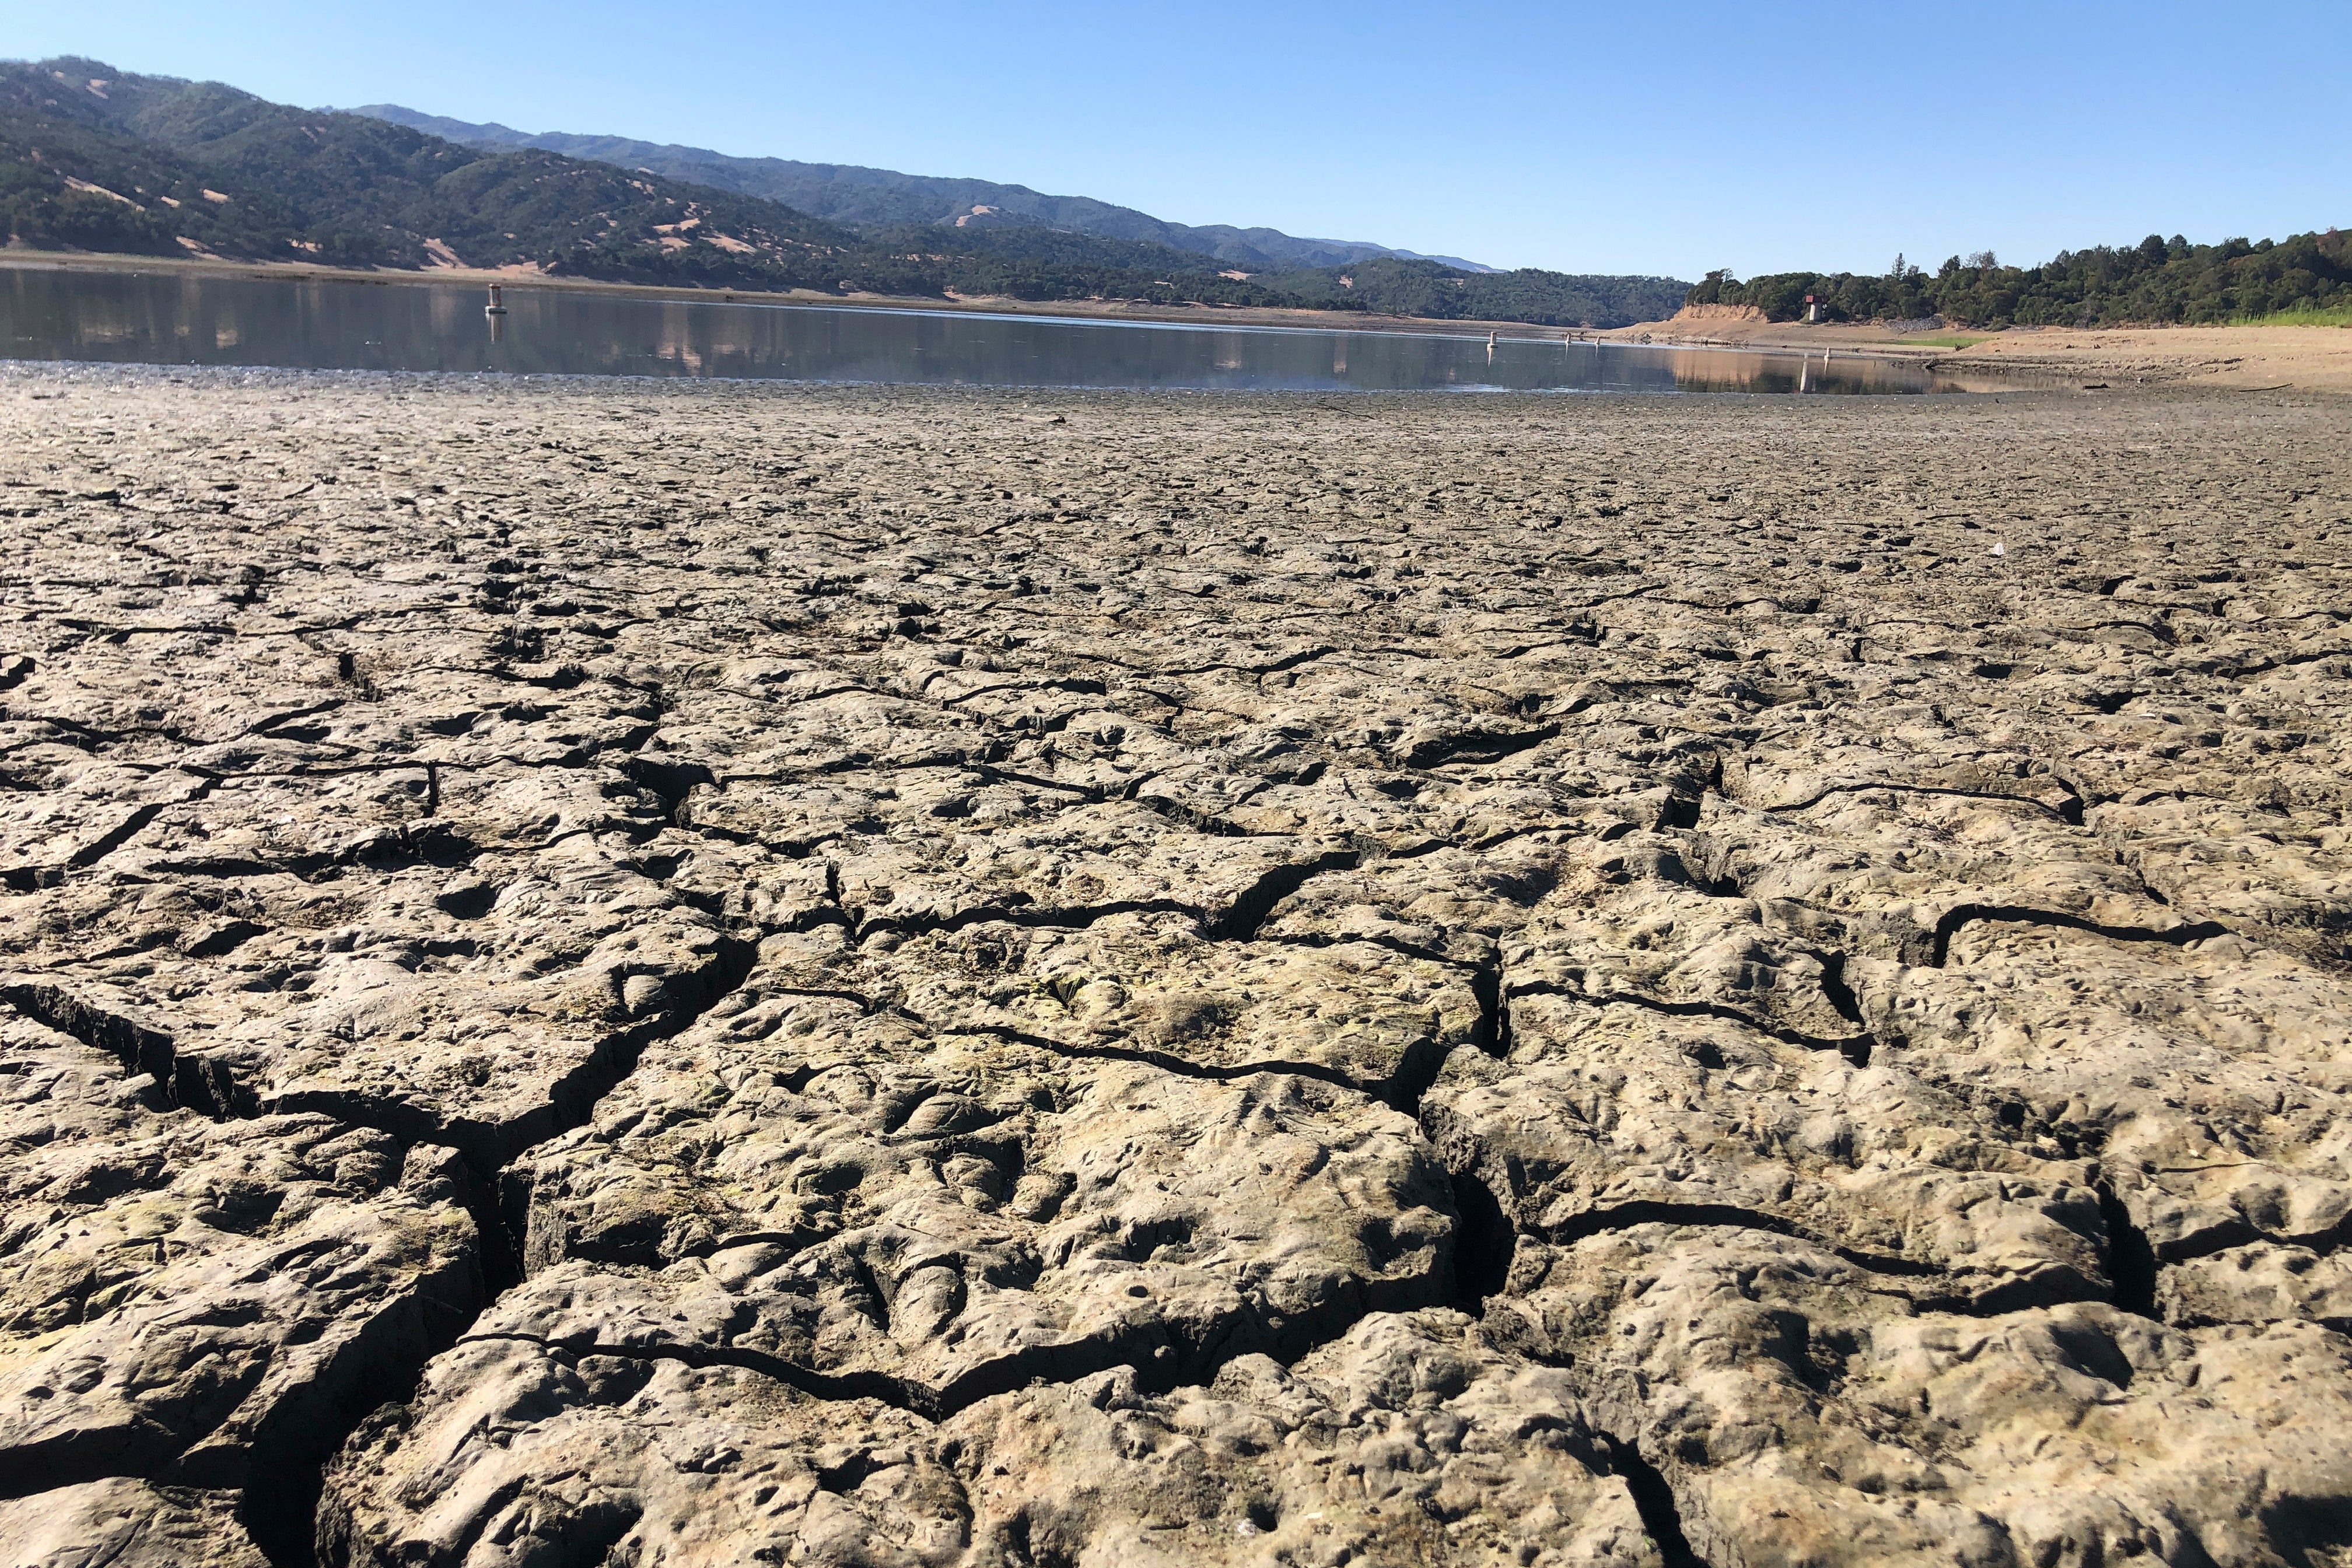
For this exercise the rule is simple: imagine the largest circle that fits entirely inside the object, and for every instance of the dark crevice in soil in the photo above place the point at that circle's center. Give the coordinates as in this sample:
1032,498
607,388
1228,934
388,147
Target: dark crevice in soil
1250,908
1212,1072
280,1510
1856,1048
421,842
138,1047
1653,1500
491,1146
1238,921
1160,1357
489,1202
99,848
1484,1245
2308,1531
1198,821
668,780
2068,811
1059,916
2239,1233
1647,1211
1416,1069
2131,1261
1493,1034
280,1504
1953,919
1477,746
1863,1043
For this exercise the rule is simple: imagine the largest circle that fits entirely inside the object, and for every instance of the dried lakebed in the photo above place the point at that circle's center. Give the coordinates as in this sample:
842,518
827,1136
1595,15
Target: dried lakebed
634,973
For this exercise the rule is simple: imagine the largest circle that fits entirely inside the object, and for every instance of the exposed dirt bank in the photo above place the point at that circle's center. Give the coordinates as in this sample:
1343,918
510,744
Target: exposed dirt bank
2304,359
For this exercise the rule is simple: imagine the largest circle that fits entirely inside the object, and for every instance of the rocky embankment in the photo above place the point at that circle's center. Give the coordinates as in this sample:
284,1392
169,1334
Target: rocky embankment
634,974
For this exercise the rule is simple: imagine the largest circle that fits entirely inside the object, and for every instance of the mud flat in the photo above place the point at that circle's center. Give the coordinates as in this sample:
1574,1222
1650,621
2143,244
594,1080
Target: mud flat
695,974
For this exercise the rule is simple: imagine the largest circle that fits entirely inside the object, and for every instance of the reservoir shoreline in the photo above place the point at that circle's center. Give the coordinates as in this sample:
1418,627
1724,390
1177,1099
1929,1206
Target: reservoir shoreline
2309,359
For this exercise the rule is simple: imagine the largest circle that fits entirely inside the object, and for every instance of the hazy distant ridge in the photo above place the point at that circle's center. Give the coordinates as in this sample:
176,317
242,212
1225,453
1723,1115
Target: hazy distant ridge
848,194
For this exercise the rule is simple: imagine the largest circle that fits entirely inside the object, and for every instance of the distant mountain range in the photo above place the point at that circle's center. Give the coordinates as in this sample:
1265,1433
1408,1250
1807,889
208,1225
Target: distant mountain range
94,159
861,197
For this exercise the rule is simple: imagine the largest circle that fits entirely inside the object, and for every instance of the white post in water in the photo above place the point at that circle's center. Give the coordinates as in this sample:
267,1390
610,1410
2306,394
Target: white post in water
496,310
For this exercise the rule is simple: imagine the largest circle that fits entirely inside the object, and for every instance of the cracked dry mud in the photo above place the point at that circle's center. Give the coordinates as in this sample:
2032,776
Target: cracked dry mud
609,972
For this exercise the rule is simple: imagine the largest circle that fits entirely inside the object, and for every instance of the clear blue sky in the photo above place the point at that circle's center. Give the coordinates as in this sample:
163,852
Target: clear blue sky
1627,138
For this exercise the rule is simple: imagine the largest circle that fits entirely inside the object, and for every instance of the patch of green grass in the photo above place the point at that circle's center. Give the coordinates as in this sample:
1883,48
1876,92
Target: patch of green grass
2340,316
1949,341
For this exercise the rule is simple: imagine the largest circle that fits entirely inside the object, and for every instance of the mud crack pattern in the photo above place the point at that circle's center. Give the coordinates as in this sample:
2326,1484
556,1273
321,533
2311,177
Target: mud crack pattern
607,972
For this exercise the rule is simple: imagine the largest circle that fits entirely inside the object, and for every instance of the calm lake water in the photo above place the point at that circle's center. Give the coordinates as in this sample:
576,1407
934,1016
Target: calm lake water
175,318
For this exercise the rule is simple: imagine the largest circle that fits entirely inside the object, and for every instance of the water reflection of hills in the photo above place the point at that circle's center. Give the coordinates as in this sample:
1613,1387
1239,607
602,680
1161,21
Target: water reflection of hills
366,324
1718,370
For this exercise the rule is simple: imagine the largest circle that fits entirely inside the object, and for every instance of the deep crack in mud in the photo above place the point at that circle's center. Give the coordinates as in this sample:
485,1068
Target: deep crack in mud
630,972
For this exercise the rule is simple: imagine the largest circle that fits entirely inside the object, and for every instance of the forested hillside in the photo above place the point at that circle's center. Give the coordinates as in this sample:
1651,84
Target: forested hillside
1528,294
2157,281
92,159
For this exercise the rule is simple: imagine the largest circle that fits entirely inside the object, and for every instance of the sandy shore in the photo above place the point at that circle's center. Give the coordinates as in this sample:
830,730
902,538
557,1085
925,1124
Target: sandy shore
2305,359
614,971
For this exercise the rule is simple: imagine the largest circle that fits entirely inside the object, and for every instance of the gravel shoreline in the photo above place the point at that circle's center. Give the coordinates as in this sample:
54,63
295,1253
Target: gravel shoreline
643,971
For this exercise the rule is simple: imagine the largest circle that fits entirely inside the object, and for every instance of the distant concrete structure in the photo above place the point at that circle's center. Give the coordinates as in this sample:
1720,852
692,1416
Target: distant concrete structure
496,310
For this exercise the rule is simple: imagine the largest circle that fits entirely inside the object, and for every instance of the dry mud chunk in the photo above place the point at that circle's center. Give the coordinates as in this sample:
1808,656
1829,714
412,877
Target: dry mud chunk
1606,1116
513,1453
2258,1283
56,1093
2272,873
1799,1414
1908,755
1357,1012
1447,901
1891,875
1061,863
964,1214
205,1302
1661,941
125,1523
2202,1074
1408,1438
86,811
817,725
483,1008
